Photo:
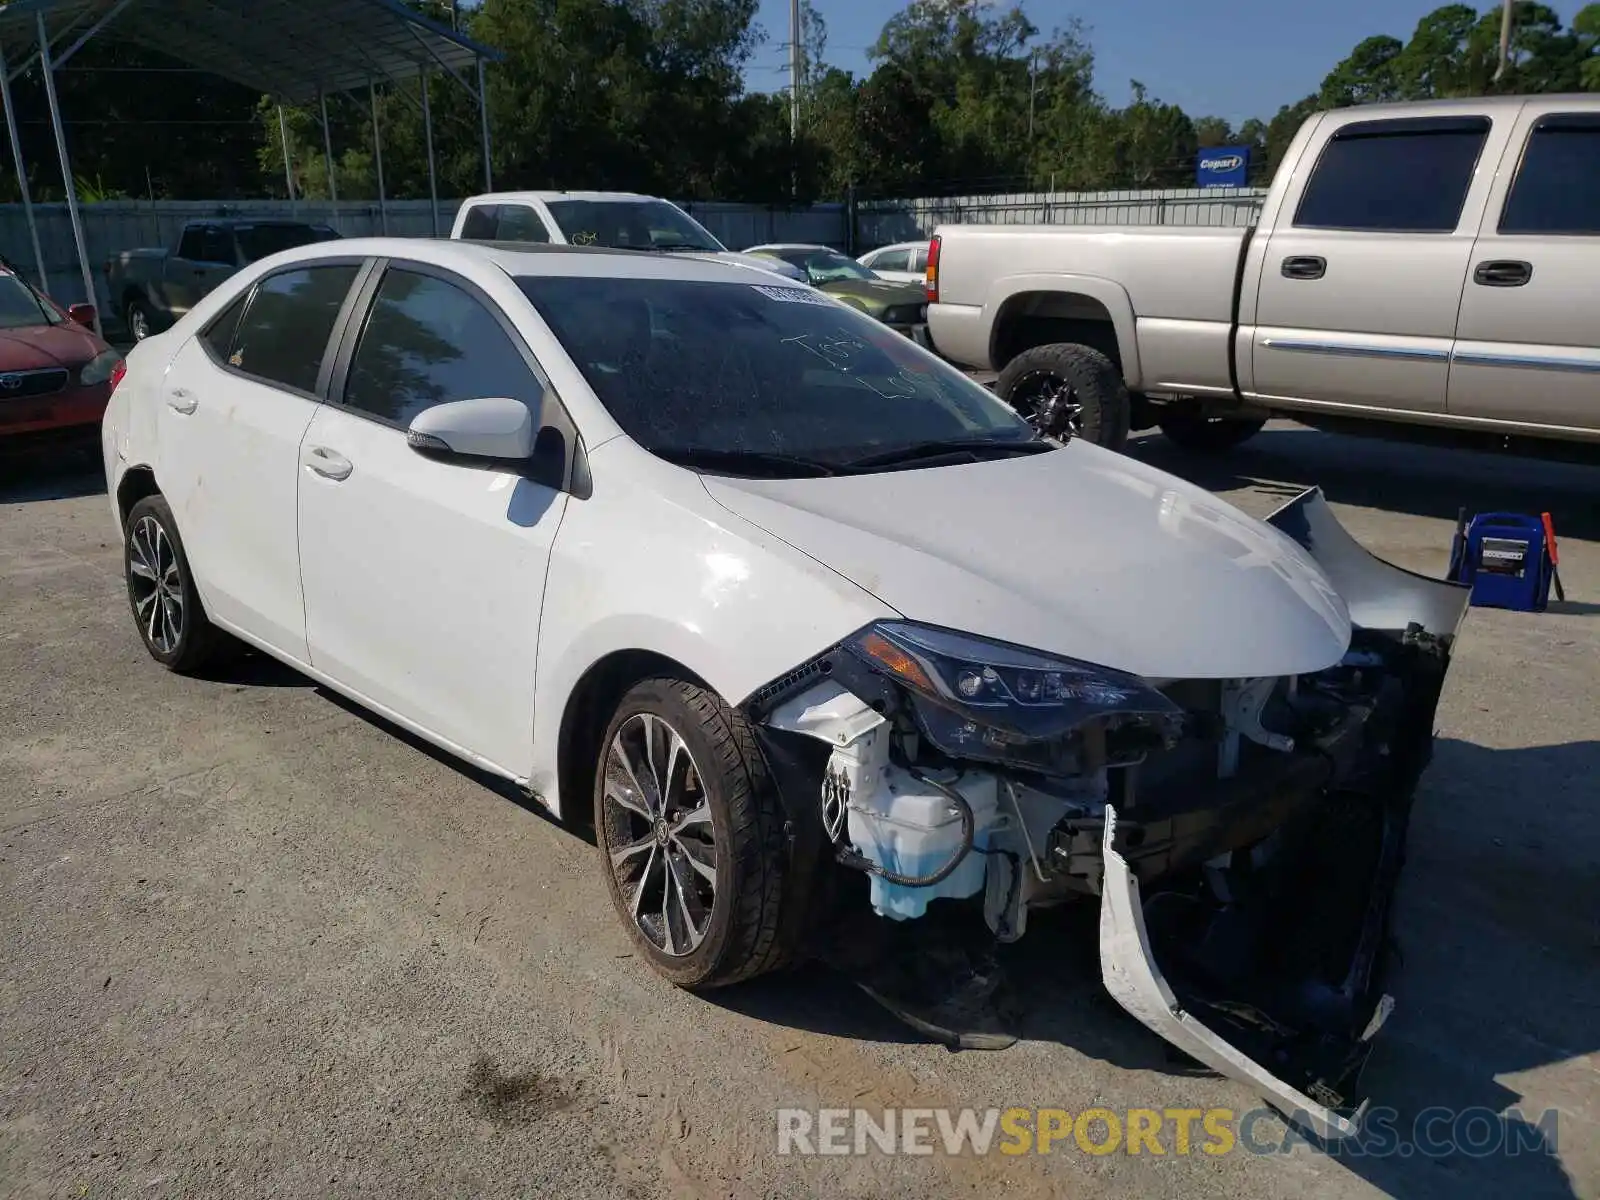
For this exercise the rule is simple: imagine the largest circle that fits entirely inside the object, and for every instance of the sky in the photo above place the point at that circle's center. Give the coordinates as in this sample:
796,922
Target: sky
1229,58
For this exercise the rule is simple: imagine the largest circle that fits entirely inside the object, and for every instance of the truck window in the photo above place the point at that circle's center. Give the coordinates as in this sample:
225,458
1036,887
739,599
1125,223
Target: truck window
1557,186
216,246
1401,176
519,223
481,222
189,244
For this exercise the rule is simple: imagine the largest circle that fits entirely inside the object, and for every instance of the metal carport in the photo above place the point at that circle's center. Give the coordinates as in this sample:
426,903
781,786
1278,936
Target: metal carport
296,51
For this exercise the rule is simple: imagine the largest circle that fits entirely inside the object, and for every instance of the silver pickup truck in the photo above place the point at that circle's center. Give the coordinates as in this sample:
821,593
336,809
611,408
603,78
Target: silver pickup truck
152,288
1430,263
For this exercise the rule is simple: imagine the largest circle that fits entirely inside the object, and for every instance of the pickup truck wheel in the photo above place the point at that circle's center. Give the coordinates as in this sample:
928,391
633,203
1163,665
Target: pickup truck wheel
1209,435
141,321
1078,379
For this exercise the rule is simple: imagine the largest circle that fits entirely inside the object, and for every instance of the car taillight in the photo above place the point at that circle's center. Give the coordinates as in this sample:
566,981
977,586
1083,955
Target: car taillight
117,372
931,280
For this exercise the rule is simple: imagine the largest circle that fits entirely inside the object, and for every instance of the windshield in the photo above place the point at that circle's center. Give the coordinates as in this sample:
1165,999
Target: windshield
258,241
20,307
630,225
727,369
823,266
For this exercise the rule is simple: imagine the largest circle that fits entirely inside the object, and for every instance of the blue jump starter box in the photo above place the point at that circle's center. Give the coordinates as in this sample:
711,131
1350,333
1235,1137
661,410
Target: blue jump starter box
1505,559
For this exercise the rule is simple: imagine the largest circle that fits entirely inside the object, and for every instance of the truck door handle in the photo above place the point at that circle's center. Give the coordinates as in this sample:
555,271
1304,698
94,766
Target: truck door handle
330,464
182,400
1305,266
1502,272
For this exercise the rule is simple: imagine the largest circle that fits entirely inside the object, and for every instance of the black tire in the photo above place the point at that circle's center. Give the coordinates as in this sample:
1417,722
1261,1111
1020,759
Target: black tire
140,318
744,934
151,534
1209,435
1103,397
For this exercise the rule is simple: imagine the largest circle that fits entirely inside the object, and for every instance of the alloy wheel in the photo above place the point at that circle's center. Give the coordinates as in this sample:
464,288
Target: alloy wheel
1047,402
658,834
138,323
156,584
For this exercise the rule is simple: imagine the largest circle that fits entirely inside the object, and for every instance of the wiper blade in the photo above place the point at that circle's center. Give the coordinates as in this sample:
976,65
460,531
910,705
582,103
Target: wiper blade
739,462
920,451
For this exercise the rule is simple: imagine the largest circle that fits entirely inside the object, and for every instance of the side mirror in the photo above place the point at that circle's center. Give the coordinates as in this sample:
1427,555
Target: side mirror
82,314
493,427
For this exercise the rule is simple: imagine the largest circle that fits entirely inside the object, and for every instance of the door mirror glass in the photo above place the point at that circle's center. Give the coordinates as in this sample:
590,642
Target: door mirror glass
82,314
491,427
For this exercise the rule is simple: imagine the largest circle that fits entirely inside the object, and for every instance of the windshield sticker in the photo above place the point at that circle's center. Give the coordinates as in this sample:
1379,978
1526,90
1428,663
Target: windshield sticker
584,237
791,295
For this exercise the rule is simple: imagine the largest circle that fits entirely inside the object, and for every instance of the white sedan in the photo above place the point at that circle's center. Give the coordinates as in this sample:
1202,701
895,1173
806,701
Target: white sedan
906,262
796,610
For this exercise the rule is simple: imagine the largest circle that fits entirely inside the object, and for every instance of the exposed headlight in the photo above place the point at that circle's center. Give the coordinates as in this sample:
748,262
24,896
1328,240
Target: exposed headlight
977,698
98,369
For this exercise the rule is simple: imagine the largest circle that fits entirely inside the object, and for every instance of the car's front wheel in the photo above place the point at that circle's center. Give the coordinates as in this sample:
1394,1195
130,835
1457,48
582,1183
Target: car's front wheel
691,834
166,606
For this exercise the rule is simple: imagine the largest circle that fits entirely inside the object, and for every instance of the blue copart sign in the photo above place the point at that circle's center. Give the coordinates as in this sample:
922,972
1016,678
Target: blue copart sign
1222,166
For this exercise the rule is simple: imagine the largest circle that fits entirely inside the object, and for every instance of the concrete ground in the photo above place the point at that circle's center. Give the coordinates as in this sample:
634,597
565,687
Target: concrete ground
254,943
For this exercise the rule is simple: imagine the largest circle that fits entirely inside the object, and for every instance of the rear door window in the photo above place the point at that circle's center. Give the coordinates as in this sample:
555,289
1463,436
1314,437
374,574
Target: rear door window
189,245
893,260
216,246
1399,176
519,223
1557,186
283,335
481,223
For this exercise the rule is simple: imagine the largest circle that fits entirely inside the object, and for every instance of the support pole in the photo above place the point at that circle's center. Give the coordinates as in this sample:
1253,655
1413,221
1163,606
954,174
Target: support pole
796,34
377,158
288,168
66,169
427,126
483,117
22,175
327,150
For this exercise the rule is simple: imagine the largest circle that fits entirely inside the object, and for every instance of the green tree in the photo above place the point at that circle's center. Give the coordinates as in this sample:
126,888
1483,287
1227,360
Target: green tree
1367,76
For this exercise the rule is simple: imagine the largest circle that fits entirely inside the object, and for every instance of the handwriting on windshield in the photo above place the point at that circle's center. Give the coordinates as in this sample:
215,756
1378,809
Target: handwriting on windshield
843,352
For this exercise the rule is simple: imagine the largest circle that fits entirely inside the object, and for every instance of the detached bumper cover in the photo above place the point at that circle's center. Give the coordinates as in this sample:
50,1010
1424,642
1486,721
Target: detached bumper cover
1130,974
1412,621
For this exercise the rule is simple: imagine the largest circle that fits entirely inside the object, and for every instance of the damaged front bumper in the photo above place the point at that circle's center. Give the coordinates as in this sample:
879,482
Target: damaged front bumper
1256,854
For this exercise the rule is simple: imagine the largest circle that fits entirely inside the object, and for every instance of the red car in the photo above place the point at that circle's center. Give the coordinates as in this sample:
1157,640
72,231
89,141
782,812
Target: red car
55,372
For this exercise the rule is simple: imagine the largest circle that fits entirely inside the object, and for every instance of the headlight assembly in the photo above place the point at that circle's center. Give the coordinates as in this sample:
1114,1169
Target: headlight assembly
98,369
981,699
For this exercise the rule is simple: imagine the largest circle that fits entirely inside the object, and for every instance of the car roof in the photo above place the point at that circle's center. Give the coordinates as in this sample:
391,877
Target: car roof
789,246
515,197
898,246
532,258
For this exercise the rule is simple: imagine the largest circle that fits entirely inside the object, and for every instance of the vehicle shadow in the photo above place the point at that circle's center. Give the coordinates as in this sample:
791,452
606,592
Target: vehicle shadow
50,472
1431,476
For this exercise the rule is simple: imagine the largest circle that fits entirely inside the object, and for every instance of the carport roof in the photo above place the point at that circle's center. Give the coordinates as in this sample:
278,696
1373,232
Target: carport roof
290,49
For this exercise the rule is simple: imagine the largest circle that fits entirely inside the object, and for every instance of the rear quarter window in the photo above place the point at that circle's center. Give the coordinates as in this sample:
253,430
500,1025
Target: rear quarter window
1557,185
282,338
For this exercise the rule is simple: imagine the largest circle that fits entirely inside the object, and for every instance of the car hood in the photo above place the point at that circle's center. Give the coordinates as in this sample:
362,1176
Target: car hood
875,295
33,347
1079,551
760,261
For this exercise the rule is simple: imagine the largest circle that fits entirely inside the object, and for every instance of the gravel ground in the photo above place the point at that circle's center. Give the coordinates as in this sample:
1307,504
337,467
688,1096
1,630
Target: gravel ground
258,944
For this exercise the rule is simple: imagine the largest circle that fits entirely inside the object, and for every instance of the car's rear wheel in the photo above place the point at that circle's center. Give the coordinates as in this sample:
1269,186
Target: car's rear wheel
1071,385
1209,435
166,606
691,834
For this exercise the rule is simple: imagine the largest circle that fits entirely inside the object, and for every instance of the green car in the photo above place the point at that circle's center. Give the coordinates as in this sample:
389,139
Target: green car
901,306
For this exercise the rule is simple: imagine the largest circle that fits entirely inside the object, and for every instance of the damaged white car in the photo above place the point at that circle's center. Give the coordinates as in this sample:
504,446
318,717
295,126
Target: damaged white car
834,646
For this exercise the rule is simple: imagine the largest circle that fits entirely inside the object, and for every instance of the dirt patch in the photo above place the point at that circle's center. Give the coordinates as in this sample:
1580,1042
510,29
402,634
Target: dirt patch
513,1098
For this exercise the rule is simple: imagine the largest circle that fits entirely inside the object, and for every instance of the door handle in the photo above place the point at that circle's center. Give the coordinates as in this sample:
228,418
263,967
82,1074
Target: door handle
1502,272
182,400
330,464
1304,266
